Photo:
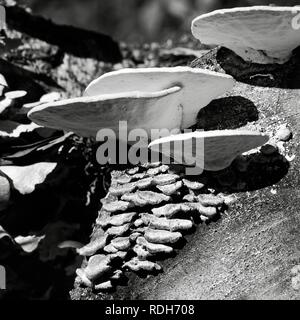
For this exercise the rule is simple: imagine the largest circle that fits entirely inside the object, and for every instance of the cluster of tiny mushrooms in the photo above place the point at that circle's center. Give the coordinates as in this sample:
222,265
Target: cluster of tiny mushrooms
170,98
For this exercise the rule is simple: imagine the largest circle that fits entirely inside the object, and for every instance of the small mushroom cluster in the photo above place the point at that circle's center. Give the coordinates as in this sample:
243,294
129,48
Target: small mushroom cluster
259,34
144,217
220,147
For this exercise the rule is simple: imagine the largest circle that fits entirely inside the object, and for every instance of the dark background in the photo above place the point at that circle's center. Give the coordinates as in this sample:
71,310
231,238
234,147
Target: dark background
135,20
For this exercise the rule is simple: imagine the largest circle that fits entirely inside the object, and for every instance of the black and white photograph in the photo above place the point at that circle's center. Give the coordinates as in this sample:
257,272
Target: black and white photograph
149,153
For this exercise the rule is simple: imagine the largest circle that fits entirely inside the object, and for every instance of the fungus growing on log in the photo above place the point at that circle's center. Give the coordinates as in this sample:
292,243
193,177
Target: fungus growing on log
193,185
210,200
162,236
97,266
141,252
138,240
209,212
171,209
153,248
217,149
120,255
87,115
81,277
93,246
259,34
169,189
118,231
110,249
142,265
166,224
117,220
143,198
121,243
164,179
198,86
151,98
116,206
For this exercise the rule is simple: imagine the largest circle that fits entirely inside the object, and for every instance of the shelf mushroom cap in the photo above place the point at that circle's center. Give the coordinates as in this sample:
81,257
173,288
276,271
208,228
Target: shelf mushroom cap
259,34
87,115
198,86
210,150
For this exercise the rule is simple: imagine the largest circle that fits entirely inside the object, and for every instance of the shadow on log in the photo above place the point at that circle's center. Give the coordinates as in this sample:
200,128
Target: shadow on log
285,75
227,113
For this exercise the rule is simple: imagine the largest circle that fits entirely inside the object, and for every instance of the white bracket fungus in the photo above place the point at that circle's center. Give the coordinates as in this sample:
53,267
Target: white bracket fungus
152,98
219,147
198,86
87,115
259,34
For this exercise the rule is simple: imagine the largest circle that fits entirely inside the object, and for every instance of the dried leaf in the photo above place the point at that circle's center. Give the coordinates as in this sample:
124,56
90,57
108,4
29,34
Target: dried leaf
14,129
3,233
37,146
55,141
29,243
26,178
20,154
